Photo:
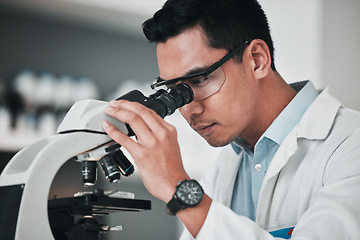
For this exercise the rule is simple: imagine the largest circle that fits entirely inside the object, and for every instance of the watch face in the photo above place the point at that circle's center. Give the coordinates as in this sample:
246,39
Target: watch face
190,193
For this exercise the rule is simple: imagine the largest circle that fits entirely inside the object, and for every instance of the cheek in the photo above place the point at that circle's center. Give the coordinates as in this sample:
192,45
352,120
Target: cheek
222,109
228,100
235,102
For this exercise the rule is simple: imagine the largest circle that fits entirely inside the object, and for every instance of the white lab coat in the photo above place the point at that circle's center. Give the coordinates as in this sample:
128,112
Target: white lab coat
312,183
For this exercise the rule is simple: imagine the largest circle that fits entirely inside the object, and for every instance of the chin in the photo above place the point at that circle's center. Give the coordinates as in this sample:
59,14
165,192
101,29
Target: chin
217,143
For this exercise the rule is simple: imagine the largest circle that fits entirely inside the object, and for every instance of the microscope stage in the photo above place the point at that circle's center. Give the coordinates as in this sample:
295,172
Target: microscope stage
97,205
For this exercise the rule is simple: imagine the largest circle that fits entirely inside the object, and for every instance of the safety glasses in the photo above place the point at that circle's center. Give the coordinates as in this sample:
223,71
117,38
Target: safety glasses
204,83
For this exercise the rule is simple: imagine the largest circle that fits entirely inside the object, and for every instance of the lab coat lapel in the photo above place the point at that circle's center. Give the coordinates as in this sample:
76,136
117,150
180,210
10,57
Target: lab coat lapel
227,177
285,152
314,125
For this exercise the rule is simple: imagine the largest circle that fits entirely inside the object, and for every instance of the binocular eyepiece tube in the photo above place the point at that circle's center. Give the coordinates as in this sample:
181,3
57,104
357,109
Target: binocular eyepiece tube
114,163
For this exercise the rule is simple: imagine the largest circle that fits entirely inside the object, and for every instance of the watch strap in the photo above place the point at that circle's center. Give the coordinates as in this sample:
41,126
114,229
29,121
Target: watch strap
174,206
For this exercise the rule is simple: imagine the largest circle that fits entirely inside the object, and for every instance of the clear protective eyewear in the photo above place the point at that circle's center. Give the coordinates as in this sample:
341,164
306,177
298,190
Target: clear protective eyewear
204,83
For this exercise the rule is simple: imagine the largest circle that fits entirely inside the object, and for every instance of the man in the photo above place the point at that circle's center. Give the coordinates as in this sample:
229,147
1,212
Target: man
292,168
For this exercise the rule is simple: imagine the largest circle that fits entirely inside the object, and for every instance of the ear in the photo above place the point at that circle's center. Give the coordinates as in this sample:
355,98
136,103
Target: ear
258,54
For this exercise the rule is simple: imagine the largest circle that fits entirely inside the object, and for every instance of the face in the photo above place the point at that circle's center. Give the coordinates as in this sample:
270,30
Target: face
228,113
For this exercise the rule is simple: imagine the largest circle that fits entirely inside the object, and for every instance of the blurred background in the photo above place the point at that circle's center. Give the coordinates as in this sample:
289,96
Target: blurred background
56,52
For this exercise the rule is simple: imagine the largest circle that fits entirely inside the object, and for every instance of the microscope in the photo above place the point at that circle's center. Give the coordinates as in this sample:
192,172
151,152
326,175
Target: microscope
26,212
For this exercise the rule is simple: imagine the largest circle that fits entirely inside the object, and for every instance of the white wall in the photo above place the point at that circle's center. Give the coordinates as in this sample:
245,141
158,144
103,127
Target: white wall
296,30
341,50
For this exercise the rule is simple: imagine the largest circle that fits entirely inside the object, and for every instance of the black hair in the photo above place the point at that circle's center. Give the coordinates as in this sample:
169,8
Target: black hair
226,23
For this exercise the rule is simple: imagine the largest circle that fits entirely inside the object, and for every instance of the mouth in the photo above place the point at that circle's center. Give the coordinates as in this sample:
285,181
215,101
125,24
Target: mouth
204,130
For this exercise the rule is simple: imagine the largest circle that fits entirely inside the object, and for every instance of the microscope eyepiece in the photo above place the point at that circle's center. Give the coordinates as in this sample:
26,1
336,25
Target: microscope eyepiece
162,102
177,97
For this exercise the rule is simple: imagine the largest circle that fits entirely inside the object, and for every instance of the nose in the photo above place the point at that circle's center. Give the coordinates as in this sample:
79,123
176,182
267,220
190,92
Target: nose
192,108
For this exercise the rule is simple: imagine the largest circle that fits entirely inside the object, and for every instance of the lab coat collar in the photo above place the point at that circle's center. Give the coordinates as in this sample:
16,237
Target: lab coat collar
319,118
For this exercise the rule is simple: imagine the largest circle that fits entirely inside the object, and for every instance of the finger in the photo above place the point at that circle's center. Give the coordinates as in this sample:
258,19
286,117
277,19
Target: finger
142,120
120,137
137,107
132,118
149,115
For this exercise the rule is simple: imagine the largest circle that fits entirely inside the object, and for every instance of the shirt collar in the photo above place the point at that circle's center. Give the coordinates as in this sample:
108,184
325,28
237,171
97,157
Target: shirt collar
287,119
292,113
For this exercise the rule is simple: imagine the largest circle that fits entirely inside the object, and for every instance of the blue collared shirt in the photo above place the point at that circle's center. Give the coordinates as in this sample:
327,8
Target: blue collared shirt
255,163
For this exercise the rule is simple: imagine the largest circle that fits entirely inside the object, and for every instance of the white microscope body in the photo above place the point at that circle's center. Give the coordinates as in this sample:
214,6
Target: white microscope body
26,180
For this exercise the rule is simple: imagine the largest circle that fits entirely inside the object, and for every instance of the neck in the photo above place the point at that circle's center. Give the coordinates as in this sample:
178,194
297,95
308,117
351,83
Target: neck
275,95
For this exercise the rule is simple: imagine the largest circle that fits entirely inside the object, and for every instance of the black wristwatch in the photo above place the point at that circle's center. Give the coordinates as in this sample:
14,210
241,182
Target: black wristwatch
188,193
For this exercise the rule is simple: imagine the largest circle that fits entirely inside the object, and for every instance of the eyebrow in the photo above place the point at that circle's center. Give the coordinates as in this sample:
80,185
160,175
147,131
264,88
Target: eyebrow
196,71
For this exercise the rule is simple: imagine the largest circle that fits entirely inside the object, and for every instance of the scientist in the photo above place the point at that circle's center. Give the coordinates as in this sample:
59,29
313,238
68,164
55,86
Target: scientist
292,165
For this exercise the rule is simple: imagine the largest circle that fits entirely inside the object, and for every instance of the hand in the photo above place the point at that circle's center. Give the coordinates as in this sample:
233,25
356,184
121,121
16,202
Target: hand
156,151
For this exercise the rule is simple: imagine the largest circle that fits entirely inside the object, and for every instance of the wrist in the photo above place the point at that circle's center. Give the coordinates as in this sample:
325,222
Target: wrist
170,189
188,194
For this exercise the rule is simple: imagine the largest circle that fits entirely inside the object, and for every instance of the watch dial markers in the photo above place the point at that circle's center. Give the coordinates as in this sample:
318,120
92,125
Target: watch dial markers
190,193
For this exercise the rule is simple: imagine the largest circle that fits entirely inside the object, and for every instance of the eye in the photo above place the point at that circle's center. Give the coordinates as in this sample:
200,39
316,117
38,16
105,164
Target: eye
199,82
